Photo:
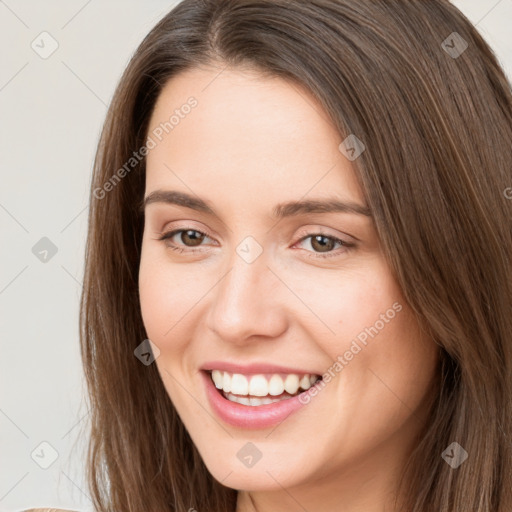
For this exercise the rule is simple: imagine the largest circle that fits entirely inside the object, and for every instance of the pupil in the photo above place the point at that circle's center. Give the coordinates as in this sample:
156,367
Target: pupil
196,240
322,246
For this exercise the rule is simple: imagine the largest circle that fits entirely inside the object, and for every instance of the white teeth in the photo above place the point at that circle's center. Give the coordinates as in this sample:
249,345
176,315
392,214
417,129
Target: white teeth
275,385
261,385
260,401
239,384
305,383
258,386
218,379
226,382
291,384
254,402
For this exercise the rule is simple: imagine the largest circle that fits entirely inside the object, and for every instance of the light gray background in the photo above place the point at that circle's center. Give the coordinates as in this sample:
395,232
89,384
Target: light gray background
51,113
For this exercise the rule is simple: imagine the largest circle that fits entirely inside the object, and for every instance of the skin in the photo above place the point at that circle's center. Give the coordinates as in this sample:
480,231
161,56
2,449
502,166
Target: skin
250,143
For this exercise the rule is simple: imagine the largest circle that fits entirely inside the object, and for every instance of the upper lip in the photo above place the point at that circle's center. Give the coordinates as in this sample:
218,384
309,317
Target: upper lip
253,368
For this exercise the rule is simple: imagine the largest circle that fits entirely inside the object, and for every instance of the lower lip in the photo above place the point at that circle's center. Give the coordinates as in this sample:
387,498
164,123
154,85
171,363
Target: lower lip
249,416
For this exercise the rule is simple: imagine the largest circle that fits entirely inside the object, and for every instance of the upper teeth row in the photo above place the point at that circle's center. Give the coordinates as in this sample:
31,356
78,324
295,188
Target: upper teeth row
259,385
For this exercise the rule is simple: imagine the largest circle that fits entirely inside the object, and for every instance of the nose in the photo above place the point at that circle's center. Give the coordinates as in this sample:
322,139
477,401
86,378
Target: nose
247,303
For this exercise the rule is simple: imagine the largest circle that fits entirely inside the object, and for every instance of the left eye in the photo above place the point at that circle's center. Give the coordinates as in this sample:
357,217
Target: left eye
325,244
322,242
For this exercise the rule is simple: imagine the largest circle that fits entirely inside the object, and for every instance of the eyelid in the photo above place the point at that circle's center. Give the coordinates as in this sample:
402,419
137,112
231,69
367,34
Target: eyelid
189,226
319,230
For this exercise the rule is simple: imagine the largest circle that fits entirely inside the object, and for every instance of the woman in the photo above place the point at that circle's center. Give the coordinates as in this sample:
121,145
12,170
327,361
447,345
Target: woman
298,289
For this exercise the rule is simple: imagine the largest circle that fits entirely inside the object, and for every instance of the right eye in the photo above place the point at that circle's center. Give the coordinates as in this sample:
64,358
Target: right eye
188,236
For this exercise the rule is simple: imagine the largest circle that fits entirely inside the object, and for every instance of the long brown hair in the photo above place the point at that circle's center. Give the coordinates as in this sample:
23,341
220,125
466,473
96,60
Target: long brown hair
414,81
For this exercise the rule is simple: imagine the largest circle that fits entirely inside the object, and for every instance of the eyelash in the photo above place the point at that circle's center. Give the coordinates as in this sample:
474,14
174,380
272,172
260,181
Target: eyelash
347,245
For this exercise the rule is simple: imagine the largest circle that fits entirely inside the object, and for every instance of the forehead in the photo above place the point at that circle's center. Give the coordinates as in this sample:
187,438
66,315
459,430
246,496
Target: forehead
245,132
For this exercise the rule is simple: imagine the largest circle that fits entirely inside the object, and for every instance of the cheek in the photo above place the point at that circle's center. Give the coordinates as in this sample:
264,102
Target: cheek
375,341
170,299
154,301
161,306
165,320
351,301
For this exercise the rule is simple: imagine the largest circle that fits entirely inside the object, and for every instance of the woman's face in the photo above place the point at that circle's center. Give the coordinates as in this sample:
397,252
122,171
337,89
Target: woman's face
255,288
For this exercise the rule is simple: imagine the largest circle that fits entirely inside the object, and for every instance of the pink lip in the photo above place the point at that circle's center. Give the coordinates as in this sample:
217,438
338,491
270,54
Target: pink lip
247,416
253,368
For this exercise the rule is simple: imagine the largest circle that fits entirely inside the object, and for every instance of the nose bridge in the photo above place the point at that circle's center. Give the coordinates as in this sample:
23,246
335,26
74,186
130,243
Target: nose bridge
243,305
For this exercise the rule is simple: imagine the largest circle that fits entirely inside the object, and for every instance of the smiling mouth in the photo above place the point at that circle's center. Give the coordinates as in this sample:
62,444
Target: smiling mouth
261,389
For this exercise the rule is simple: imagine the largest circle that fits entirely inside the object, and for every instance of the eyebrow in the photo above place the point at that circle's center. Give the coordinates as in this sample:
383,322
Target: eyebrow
281,210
